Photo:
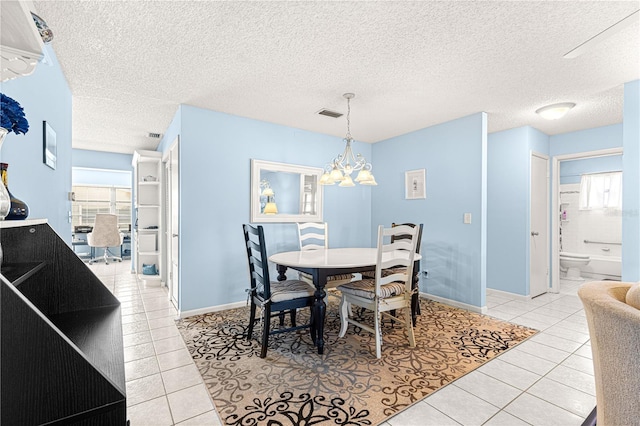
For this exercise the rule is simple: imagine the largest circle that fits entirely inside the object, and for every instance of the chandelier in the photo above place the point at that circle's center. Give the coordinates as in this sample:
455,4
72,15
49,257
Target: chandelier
341,167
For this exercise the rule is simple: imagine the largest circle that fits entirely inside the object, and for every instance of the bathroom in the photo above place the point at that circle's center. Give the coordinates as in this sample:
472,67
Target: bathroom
590,234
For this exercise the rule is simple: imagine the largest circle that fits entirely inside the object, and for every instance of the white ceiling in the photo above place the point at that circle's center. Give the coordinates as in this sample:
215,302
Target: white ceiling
411,64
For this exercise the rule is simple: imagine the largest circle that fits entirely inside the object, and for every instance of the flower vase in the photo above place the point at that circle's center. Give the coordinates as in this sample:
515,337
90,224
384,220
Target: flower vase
18,209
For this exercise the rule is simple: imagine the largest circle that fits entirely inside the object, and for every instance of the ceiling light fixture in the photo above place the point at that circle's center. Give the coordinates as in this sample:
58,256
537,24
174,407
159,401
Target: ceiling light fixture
555,111
341,167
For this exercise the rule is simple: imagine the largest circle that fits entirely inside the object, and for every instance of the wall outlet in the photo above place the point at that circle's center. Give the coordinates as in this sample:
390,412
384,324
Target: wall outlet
467,218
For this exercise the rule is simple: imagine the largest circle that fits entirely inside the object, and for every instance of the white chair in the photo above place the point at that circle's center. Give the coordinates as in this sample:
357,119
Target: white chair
314,236
105,234
390,290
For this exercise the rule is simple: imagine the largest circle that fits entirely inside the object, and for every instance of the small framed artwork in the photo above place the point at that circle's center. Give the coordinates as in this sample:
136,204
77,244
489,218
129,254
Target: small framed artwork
415,184
49,145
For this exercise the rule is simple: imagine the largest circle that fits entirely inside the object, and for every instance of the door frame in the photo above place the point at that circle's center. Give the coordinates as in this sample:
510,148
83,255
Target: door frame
546,210
555,202
171,280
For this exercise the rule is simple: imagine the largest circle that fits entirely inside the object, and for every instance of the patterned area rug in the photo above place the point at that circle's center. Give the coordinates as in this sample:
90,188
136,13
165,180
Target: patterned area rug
346,385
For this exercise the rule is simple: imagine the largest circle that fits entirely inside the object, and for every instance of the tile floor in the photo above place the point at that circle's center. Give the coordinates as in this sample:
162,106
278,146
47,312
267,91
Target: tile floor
547,380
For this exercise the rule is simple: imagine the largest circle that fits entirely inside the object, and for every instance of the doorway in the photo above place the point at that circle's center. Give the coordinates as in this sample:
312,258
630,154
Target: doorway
172,217
539,226
556,206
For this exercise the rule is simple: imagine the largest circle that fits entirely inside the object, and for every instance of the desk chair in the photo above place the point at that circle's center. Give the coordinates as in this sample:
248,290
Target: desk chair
273,297
105,234
390,290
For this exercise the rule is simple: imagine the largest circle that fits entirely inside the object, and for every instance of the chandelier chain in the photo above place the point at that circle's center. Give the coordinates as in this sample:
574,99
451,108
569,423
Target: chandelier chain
349,118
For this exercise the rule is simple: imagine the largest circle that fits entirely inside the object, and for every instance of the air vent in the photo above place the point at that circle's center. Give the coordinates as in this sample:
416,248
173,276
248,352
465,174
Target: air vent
330,113
154,135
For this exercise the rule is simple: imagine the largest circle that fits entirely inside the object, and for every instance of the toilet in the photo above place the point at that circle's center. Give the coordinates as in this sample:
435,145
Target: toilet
572,263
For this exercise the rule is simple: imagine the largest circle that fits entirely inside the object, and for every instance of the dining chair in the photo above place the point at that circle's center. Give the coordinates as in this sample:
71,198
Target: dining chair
389,290
105,234
415,304
314,236
272,297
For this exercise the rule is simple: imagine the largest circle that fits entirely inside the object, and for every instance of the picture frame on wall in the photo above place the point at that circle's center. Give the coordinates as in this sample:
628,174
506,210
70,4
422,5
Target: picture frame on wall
415,185
49,145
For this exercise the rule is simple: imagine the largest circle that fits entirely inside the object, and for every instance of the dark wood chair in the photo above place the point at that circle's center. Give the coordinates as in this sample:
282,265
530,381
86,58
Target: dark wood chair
272,297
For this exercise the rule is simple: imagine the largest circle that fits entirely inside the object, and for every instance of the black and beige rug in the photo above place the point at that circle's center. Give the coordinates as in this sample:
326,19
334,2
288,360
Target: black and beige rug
346,385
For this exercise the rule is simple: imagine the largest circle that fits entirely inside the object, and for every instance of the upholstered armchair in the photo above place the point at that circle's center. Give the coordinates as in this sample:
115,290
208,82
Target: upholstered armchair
613,315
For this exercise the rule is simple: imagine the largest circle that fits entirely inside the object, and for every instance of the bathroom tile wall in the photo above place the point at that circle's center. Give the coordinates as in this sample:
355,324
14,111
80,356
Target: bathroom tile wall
592,225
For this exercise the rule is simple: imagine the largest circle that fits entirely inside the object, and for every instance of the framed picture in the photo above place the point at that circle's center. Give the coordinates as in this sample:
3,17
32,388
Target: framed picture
415,185
49,145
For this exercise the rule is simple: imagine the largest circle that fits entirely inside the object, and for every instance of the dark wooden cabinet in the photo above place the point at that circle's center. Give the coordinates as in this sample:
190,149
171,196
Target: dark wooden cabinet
61,349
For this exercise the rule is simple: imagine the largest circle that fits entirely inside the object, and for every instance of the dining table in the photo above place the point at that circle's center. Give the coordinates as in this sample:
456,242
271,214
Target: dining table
322,263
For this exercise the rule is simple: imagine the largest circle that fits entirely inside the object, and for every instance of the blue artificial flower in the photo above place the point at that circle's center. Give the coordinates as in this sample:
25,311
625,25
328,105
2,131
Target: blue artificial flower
12,116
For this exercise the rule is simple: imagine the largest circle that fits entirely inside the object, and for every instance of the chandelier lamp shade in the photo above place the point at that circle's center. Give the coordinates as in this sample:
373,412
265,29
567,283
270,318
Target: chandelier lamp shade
340,169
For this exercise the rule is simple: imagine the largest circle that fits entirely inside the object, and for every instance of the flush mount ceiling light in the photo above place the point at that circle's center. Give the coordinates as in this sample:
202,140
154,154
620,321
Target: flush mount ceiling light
341,167
555,111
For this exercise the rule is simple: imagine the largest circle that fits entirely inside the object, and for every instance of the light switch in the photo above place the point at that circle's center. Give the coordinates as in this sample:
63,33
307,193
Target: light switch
467,218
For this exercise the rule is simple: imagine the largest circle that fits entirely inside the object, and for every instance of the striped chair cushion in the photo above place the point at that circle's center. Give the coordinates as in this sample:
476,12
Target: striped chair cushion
290,289
367,288
338,277
385,272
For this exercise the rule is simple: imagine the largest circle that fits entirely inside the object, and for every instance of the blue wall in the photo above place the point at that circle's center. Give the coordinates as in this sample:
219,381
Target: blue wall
572,170
215,153
45,96
101,160
630,182
509,207
454,157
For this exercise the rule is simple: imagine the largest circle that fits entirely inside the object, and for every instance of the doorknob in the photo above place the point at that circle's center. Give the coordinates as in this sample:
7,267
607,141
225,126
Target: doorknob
174,235
533,234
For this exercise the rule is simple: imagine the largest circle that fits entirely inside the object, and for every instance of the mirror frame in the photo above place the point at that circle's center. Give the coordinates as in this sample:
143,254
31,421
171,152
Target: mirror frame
257,166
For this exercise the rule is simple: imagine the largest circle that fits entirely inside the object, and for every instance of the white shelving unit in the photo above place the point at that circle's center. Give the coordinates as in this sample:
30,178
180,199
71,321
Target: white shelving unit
148,204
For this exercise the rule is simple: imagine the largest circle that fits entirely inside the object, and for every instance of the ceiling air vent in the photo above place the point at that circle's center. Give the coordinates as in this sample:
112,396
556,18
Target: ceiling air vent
330,113
154,135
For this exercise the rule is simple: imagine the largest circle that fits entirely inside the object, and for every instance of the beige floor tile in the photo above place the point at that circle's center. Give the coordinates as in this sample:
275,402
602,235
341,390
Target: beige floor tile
538,412
510,374
154,412
449,399
576,379
189,402
164,332
210,418
563,396
181,377
143,350
421,414
488,388
144,389
141,368
174,359
505,419
168,345
136,338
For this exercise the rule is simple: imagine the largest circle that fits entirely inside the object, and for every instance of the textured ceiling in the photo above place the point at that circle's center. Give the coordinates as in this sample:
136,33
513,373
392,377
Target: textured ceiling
411,64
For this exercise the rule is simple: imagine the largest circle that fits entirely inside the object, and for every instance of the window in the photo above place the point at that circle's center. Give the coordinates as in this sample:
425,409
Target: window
91,200
601,191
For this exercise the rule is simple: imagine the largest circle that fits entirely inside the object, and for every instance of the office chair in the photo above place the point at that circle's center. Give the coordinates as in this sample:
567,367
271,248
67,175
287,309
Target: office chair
105,234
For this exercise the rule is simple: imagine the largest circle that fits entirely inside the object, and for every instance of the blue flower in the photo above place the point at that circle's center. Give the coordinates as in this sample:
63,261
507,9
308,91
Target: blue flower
12,116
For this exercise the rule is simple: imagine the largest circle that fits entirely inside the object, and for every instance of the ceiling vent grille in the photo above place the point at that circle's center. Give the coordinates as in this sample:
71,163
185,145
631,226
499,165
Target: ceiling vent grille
330,113
154,135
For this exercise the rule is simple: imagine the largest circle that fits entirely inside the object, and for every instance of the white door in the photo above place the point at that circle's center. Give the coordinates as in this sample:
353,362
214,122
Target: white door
539,226
173,221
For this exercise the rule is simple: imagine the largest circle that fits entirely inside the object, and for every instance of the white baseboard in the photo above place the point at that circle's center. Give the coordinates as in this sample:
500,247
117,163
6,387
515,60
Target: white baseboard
509,294
472,308
218,308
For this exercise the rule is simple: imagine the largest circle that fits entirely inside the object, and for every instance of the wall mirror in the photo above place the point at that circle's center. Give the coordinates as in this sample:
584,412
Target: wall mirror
283,192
